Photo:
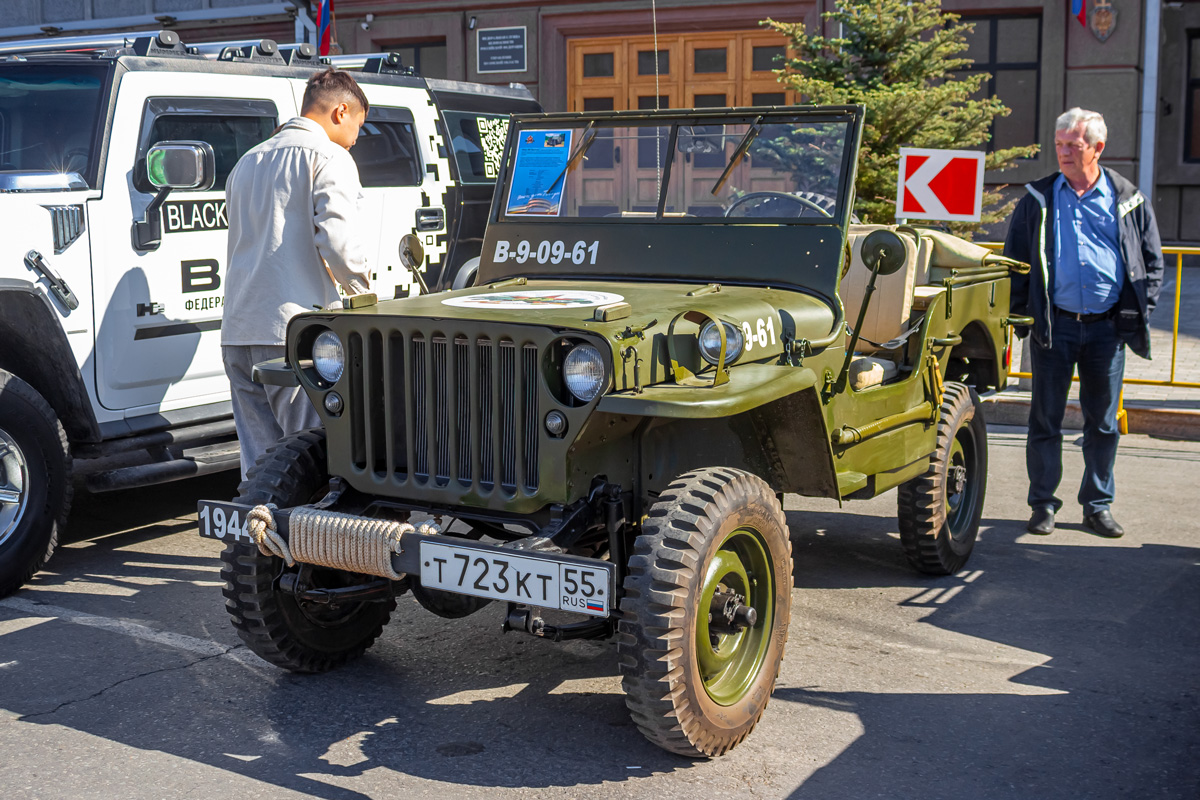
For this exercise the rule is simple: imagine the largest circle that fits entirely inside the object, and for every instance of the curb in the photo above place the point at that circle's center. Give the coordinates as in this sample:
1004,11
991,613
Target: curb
1141,418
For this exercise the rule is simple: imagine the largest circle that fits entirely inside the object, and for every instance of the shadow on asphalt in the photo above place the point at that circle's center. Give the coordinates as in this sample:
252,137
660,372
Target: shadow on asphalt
456,702
1113,622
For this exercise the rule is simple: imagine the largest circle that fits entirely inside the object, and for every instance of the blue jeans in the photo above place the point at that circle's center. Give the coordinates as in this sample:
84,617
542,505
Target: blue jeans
1096,350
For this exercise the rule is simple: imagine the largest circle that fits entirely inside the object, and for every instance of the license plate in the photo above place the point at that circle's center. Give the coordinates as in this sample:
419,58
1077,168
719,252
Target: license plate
224,521
544,581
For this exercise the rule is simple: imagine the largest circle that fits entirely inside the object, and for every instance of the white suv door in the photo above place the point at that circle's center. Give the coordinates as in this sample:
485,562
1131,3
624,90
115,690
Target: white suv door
402,165
158,311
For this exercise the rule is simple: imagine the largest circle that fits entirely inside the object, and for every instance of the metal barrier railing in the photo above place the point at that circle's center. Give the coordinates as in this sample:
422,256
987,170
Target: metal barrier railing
1122,417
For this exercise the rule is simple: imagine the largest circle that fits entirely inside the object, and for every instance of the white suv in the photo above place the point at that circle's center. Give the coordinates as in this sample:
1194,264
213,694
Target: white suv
111,290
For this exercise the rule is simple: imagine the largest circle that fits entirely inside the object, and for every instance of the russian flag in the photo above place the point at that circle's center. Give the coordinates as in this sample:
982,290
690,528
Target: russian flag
1078,8
325,17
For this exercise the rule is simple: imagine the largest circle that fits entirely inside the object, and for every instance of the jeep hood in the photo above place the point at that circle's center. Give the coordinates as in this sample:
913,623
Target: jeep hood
572,305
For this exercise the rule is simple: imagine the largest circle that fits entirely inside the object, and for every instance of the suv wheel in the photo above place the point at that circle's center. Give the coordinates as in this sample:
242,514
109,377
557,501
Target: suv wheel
705,614
940,510
35,481
276,625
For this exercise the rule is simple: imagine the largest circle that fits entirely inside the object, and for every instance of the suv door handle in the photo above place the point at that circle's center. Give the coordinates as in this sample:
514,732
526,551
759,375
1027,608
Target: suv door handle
431,219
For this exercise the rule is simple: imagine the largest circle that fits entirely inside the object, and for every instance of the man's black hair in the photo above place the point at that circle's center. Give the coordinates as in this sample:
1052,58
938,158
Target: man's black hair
331,87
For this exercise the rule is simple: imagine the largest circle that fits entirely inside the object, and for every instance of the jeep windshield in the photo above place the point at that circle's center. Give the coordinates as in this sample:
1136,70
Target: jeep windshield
48,117
755,196
744,168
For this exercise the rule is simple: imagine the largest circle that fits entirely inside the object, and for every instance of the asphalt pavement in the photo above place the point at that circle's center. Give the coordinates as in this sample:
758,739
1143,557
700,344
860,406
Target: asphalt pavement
1065,666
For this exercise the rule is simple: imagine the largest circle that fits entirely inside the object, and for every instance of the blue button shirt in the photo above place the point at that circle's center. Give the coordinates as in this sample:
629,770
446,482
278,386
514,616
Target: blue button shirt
1090,269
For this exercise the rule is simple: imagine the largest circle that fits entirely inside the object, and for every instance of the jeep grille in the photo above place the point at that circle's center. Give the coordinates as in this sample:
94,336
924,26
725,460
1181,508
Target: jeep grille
459,412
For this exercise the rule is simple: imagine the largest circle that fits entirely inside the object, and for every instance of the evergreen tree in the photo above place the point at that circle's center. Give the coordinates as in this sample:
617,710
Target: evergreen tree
898,58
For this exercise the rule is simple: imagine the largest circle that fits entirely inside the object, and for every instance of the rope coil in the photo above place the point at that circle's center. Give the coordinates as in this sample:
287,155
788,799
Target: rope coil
335,540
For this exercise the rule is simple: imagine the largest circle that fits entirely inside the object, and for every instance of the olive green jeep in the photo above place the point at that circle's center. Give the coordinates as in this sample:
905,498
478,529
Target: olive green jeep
675,324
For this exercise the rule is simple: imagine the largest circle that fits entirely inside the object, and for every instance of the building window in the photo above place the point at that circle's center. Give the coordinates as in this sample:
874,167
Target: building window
1191,142
427,58
1009,48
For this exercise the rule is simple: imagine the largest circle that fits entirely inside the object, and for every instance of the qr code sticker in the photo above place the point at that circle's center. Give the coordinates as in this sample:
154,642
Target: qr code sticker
492,132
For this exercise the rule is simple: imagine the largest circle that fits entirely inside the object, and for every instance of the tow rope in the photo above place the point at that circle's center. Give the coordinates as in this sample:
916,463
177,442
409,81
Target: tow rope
335,540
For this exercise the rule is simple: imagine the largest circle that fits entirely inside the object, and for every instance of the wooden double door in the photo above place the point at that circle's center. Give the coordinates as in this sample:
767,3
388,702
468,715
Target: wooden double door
694,70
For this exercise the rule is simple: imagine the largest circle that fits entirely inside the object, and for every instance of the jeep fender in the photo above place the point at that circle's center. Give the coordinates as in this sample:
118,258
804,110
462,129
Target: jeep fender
768,420
36,349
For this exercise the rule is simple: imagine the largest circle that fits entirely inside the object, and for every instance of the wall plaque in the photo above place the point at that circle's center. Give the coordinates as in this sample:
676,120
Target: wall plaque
500,49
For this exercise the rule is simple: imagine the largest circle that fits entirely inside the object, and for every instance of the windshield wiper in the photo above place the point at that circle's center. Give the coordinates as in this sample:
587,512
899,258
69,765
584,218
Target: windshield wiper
738,154
589,136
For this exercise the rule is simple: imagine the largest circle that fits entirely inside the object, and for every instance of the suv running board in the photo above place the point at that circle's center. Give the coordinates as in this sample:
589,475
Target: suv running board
191,463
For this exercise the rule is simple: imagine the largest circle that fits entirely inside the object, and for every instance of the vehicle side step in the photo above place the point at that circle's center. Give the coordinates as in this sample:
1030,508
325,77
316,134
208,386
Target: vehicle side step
192,463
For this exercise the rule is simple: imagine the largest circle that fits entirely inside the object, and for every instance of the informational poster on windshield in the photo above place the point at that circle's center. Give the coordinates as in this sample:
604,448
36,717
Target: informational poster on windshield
536,188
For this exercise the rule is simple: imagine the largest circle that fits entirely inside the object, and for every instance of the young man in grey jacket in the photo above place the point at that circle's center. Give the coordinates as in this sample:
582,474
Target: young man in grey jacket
293,211
1093,243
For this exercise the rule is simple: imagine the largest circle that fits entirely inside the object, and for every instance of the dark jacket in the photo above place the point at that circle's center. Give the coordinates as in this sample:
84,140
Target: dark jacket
1031,239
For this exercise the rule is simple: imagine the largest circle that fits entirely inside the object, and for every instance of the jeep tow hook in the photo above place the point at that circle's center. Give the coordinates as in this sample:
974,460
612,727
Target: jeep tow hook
521,618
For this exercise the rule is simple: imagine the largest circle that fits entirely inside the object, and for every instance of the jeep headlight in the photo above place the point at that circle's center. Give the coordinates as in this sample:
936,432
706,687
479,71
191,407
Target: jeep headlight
328,356
710,342
583,372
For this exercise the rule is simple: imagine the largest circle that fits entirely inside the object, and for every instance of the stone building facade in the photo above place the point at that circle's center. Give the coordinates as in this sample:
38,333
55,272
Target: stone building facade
598,54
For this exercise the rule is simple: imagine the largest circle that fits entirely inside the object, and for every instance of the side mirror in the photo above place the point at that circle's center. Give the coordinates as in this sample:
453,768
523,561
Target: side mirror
181,165
883,252
172,165
412,258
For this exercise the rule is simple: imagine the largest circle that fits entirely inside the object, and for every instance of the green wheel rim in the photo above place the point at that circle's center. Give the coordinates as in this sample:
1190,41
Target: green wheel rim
961,484
729,663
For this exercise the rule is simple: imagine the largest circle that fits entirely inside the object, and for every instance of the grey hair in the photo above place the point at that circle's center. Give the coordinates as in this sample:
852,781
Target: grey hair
1094,129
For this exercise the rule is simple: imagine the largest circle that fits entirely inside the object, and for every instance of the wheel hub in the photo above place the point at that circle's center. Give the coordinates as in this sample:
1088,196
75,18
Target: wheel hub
14,480
729,614
958,478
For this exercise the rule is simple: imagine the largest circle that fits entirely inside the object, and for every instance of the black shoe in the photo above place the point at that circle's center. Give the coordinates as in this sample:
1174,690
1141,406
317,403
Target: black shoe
1102,522
1041,521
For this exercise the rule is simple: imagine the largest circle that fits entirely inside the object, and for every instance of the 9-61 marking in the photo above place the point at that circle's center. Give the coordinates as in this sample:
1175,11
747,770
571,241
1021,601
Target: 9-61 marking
547,252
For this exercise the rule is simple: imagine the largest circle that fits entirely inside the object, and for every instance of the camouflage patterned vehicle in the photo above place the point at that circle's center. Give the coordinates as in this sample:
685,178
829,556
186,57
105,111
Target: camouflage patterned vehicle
675,324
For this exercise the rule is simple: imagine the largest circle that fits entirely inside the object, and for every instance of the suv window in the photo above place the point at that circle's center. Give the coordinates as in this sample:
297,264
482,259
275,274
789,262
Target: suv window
386,153
48,117
230,137
231,125
478,142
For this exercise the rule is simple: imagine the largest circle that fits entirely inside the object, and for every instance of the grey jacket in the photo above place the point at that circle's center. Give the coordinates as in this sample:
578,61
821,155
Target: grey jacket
1031,239
293,233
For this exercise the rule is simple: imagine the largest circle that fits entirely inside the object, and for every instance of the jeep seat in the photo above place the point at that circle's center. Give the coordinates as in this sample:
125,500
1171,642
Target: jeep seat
891,304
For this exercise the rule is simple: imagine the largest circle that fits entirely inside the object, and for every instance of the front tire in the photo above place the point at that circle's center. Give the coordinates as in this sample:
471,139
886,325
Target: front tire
278,627
35,481
694,683
940,511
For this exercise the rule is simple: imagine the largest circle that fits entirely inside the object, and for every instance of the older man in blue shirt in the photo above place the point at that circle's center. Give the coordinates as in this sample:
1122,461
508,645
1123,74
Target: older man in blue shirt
1097,269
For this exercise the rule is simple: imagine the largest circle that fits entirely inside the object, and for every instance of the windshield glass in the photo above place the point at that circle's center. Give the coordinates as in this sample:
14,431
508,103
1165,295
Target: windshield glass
48,117
745,170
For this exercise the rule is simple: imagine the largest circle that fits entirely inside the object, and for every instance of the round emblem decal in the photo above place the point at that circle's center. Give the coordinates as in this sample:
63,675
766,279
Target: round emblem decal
535,298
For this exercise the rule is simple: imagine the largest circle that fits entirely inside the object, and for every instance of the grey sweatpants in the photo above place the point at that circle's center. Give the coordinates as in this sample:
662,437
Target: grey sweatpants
263,414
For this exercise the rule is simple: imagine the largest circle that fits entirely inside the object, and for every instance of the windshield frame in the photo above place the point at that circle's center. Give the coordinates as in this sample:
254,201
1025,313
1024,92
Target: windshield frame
107,73
784,253
677,119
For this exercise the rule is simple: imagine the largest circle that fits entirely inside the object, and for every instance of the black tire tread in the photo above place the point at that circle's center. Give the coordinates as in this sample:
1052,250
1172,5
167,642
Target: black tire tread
921,501
663,562
12,385
284,476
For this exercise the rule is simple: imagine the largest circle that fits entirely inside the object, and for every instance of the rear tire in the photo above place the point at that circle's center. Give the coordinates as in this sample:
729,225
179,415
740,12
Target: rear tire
279,628
35,481
693,686
940,511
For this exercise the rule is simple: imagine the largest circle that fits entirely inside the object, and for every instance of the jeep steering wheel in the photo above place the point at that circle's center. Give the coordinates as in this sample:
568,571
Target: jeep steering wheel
798,204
